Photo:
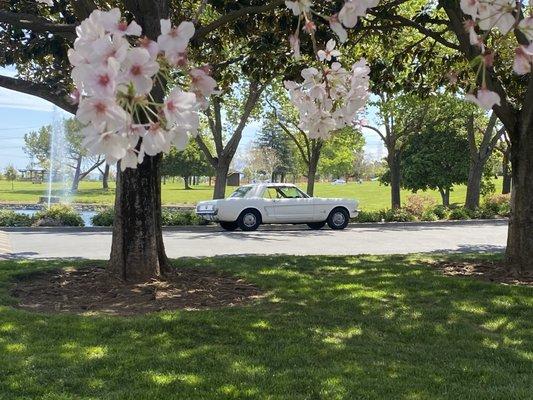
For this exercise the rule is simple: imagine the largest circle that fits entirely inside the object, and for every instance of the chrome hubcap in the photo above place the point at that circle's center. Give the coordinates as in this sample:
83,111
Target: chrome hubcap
338,218
249,220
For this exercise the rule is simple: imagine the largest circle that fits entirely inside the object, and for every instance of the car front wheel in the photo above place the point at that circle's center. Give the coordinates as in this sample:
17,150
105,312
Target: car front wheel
249,220
229,226
316,225
338,219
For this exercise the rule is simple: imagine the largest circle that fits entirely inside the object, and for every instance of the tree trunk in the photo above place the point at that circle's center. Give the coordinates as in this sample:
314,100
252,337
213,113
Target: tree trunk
473,188
77,173
221,179
519,254
186,180
445,195
506,171
393,161
137,250
105,177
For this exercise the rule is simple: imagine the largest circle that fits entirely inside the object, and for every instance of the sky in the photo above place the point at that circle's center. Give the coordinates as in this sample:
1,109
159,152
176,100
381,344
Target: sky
21,113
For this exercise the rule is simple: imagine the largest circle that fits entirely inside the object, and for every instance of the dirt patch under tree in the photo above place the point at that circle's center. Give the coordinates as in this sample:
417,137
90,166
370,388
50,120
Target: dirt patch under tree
483,270
93,290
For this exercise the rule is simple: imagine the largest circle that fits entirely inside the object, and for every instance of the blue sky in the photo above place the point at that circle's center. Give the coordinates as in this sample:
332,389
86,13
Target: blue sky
21,113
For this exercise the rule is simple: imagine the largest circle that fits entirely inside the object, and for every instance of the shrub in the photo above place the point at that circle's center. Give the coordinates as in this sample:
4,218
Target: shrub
429,215
459,213
418,204
58,215
11,218
442,212
399,215
369,216
104,217
179,218
499,204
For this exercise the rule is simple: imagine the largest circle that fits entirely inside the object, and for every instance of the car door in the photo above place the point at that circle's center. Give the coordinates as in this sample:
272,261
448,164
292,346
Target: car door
292,205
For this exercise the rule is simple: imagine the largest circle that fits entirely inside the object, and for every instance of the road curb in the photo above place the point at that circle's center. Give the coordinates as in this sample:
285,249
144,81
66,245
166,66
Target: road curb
208,228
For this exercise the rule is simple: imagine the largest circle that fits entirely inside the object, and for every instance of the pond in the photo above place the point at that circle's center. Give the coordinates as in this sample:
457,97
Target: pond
85,215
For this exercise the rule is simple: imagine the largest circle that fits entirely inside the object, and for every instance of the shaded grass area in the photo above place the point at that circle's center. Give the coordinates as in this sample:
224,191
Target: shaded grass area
330,328
371,195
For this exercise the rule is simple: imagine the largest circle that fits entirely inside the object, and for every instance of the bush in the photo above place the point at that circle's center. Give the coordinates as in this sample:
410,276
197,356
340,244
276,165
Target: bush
399,215
180,218
429,215
442,212
418,204
459,213
369,216
58,215
104,217
499,204
11,218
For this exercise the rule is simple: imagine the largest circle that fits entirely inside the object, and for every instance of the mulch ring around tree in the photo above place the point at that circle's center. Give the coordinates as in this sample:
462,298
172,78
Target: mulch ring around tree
483,270
92,290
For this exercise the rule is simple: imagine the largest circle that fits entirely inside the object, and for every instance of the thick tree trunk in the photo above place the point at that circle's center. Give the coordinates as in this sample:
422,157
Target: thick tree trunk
221,179
506,171
105,177
186,181
393,161
519,254
473,188
137,250
316,148
445,195
76,178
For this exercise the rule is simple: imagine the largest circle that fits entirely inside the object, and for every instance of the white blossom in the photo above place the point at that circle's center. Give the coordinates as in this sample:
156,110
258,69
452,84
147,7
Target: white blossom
484,98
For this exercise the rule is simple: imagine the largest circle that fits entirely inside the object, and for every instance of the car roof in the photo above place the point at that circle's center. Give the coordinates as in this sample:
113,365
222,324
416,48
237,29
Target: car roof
268,184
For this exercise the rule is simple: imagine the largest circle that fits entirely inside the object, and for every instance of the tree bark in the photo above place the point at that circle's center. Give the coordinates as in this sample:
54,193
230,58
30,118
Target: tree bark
186,181
393,161
137,250
445,195
105,177
314,158
77,173
519,254
506,171
473,188
221,179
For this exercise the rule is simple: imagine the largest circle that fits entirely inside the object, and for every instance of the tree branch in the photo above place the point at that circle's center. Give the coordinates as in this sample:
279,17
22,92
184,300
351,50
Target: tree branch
38,24
203,31
377,131
38,89
212,160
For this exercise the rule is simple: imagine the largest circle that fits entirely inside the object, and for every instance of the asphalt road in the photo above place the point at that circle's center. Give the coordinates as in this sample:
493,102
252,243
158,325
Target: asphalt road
487,236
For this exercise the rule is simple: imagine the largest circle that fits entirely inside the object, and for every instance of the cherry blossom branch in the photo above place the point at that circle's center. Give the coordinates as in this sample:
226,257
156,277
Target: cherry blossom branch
38,24
41,90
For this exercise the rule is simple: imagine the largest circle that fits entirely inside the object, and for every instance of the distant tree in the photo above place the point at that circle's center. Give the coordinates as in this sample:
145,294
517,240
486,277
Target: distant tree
262,161
37,145
339,153
272,136
186,164
435,159
11,175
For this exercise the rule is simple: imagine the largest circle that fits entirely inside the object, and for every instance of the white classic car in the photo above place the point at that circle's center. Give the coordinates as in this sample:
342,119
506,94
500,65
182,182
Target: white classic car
276,203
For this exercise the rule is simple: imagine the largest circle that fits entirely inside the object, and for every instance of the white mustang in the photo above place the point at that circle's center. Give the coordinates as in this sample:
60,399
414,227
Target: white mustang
273,203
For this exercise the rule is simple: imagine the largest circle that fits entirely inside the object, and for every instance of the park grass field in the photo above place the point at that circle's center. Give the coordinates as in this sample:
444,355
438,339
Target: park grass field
335,328
372,195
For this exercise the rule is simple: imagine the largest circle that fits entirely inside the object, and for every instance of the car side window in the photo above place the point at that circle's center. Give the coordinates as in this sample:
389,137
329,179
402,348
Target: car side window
291,192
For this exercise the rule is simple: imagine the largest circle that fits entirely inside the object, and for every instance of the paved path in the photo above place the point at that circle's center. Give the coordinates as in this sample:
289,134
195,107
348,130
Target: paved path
211,241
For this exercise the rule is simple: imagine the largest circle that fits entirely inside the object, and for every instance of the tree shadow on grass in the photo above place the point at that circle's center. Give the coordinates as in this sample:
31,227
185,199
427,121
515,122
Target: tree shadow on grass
330,328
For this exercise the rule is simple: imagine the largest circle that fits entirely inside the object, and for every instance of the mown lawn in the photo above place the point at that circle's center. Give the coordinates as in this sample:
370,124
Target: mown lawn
371,195
329,328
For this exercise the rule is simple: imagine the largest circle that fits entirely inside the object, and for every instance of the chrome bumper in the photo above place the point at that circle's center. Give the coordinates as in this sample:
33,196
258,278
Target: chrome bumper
208,215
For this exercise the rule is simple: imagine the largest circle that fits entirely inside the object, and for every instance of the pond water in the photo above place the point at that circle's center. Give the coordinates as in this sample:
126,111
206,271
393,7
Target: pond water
85,215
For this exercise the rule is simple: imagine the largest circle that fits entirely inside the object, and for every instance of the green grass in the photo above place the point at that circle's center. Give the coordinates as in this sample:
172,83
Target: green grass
371,195
329,328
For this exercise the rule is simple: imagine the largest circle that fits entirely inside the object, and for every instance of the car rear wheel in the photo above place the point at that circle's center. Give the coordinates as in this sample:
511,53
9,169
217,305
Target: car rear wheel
249,220
229,226
316,225
338,219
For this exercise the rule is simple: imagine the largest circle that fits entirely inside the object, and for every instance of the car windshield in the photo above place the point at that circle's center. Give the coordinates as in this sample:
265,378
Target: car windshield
241,192
289,192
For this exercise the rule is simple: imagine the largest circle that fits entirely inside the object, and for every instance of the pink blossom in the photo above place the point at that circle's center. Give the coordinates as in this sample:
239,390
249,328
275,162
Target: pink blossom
330,51
139,69
484,98
97,110
299,7
174,41
201,82
294,42
336,26
523,60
